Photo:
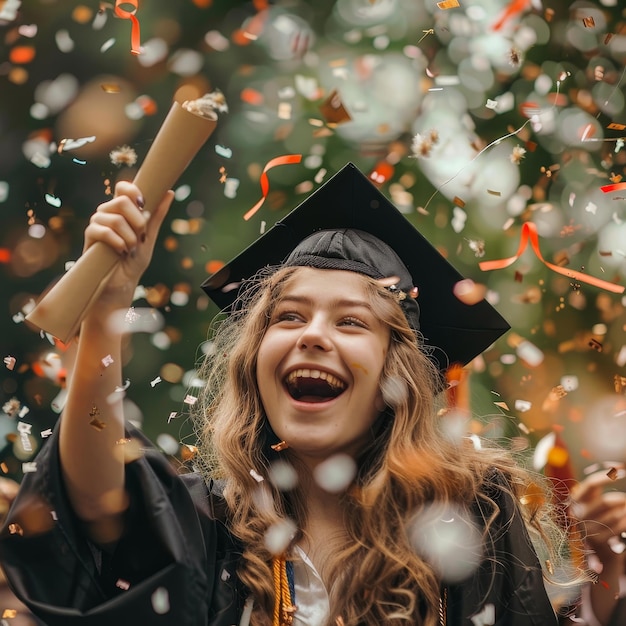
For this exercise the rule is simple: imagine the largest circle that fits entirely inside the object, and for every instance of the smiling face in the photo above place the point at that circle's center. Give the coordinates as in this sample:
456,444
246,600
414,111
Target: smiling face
320,362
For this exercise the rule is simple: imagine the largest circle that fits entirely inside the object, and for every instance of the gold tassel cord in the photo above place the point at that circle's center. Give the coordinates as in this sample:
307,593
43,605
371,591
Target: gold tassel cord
283,603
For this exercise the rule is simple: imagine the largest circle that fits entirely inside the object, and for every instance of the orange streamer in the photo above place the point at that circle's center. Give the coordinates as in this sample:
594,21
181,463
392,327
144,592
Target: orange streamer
529,231
135,45
516,6
265,183
614,187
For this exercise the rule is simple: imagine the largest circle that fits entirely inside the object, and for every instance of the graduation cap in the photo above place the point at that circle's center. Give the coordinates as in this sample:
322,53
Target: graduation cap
452,331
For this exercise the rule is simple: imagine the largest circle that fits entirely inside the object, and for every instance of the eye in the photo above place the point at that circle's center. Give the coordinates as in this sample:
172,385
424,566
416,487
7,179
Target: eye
287,316
353,321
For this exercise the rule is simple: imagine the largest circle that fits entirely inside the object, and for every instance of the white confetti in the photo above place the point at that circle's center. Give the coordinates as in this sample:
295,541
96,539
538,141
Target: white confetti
278,536
487,617
336,473
446,537
256,476
161,601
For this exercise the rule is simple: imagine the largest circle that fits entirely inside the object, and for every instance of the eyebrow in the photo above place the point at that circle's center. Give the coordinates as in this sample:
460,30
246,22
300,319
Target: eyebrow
343,302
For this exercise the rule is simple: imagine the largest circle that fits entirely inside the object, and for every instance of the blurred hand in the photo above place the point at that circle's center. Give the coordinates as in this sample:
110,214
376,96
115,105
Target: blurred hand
8,491
602,515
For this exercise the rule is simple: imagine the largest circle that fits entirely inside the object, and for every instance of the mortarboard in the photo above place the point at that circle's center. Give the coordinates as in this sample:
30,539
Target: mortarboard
453,332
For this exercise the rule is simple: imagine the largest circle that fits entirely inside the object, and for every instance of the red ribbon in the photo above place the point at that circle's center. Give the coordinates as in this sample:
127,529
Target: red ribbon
514,7
529,231
265,183
135,42
614,187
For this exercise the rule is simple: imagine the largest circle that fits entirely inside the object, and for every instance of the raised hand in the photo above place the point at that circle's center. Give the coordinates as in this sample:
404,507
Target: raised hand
124,226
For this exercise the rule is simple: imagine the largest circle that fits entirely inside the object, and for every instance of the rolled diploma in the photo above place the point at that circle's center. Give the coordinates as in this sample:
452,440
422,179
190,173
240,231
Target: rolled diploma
61,310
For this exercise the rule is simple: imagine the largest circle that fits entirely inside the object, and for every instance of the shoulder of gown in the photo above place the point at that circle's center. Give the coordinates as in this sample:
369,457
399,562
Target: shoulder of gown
508,585
175,564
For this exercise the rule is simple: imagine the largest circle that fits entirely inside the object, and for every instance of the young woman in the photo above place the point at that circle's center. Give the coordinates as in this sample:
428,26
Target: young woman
329,493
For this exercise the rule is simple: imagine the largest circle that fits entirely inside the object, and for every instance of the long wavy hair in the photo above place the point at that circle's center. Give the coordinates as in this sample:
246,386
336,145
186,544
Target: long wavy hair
378,576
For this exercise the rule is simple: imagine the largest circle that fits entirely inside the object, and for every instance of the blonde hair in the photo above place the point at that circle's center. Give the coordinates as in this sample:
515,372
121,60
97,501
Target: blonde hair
378,577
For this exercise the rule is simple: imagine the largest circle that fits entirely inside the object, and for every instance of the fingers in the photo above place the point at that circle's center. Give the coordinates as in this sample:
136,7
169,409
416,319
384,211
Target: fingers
593,485
120,222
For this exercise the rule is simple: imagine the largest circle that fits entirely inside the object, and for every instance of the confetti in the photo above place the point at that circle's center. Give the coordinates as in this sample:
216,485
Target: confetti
279,535
98,424
422,145
486,617
256,476
469,292
448,4
222,151
110,87
265,185
333,109
529,232
160,601
15,529
336,473
135,46
123,156
9,9
53,200
517,155
613,187
9,361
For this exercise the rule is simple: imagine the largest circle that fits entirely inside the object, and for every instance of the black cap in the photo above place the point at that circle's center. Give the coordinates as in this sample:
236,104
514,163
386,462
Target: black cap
364,232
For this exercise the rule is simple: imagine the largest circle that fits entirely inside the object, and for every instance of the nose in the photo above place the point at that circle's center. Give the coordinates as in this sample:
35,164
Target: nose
314,336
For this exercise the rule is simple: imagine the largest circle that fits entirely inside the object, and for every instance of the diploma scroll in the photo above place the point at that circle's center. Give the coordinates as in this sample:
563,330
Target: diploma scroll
61,310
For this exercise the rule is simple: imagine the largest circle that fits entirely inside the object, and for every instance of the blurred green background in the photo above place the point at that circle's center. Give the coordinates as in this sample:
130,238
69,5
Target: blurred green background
437,100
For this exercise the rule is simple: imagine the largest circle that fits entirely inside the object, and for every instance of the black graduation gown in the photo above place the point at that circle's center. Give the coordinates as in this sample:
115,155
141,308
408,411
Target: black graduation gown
176,565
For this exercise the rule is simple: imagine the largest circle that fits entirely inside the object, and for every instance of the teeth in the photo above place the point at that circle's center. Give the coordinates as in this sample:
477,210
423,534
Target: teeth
333,381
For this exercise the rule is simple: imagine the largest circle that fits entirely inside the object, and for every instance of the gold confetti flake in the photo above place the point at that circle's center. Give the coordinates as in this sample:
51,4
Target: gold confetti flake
448,4
612,473
620,383
110,87
533,497
589,22
594,344
333,109
99,425
9,613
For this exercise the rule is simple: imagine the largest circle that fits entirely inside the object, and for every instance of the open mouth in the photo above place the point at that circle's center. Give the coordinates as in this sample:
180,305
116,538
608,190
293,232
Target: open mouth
308,385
